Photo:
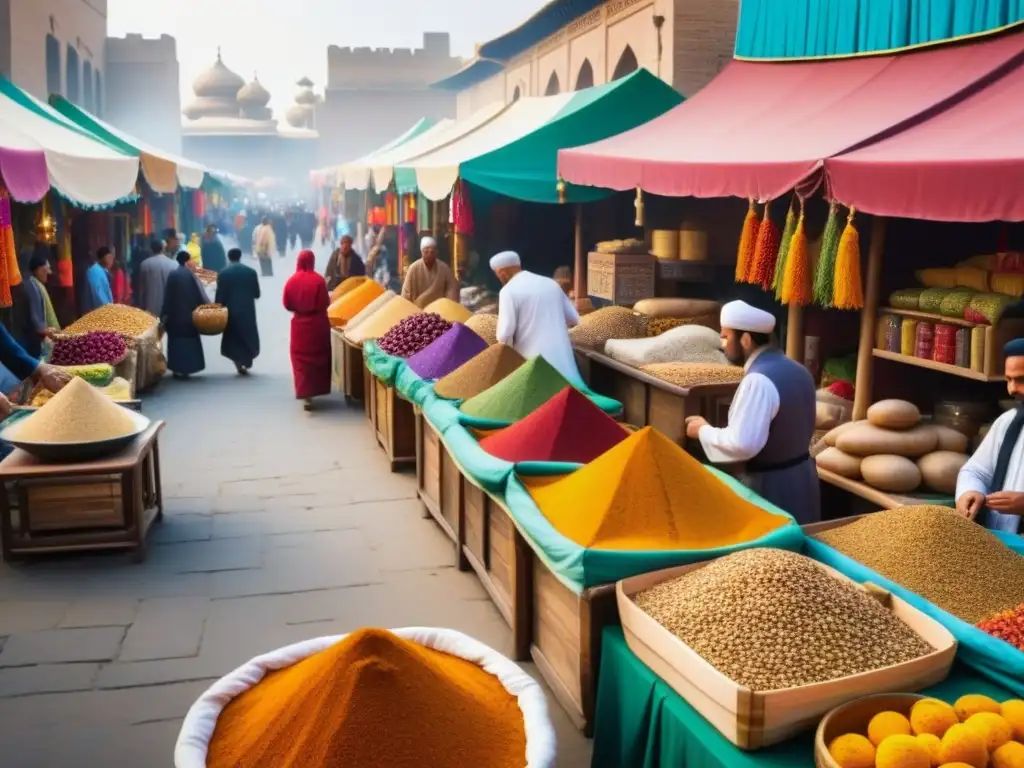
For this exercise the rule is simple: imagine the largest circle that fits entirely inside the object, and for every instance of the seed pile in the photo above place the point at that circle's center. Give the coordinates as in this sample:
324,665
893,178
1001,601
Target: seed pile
479,374
770,619
414,333
369,311
685,344
658,325
1007,625
520,393
383,320
115,318
455,347
606,323
691,374
485,326
932,551
450,310
79,413
350,304
92,347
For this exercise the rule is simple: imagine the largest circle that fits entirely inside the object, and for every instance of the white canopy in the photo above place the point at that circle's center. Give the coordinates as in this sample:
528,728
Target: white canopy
384,163
356,174
437,172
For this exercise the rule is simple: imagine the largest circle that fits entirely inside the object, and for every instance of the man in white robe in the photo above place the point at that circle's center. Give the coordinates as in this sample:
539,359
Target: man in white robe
534,315
990,486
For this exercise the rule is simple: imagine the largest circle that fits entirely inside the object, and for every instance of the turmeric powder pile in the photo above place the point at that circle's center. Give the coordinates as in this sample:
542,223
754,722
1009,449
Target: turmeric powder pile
647,493
373,699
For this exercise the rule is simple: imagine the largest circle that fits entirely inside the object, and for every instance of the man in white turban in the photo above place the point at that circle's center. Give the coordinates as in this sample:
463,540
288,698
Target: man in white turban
534,315
771,419
428,279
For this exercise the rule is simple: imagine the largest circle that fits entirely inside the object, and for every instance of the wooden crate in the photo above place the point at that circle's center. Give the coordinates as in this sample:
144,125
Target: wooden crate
353,381
370,400
439,484
621,278
66,504
337,360
751,719
394,425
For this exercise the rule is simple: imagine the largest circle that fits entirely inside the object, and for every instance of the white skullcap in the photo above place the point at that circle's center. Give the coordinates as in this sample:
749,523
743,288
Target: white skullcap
740,316
427,242
504,260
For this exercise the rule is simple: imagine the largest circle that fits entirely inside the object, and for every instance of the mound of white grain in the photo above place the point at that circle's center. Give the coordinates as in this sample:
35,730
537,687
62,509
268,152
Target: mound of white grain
685,344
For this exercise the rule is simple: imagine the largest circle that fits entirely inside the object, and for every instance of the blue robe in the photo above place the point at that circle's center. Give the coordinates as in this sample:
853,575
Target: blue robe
98,289
184,344
238,287
213,254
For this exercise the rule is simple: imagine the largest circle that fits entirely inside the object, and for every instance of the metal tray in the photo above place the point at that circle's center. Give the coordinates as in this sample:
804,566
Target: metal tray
73,452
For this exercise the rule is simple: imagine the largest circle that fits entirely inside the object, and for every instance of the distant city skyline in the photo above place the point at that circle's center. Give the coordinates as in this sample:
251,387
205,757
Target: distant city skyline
255,38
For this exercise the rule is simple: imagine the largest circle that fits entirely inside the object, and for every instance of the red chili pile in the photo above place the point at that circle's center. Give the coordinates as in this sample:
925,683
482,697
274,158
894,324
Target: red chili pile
413,334
1007,625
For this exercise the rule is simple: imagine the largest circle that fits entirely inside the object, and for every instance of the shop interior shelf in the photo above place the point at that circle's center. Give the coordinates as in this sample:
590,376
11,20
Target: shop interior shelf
920,362
930,316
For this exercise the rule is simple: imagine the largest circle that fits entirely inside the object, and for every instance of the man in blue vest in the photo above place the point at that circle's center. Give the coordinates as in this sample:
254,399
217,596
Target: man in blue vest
771,419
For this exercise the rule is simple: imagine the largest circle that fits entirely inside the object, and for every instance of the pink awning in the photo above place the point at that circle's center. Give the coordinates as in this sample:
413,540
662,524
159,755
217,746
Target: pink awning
965,164
759,129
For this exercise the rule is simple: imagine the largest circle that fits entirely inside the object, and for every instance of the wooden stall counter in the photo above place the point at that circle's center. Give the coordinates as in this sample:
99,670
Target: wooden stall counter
391,417
439,485
865,498
105,504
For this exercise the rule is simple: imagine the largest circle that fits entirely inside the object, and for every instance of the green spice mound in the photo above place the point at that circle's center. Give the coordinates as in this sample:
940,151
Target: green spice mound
517,395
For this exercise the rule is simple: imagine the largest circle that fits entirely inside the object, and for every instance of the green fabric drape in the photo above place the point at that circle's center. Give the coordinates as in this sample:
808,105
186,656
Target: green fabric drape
786,29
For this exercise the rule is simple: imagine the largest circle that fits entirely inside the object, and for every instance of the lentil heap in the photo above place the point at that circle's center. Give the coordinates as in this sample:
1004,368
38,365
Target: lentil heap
932,551
485,325
770,619
520,393
479,374
606,323
394,311
116,318
647,493
414,333
447,352
372,699
350,304
691,374
450,310
79,413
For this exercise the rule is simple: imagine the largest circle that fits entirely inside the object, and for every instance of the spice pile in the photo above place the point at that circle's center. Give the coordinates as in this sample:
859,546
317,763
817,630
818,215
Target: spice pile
79,413
517,395
414,333
932,551
608,323
352,302
373,699
390,314
479,374
89,348
568,427
647,493
486,326
116,389
115,318
692,374
371,309
1007,625
685,344
450,310
347,285
770,619
450,350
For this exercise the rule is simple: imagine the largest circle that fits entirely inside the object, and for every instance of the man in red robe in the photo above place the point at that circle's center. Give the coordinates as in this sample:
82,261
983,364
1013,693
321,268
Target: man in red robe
306,297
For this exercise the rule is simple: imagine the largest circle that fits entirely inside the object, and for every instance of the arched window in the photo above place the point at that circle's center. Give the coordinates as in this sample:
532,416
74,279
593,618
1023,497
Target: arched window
73,77
516,94
553,85
627,63
87,100
585,78
52,65
98,94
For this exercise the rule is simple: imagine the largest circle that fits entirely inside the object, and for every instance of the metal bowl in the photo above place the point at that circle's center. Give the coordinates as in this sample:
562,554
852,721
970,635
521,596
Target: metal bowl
73,452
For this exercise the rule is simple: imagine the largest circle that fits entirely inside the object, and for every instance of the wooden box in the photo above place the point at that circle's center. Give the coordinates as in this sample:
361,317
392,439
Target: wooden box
353,381
394,425
66,504
439,484
621,278
337,359
751,719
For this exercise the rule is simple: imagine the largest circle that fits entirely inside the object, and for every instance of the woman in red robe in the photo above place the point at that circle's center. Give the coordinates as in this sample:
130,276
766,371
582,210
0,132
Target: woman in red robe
305,296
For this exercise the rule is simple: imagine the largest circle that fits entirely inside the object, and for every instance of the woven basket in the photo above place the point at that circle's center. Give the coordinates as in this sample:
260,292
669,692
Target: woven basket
210,319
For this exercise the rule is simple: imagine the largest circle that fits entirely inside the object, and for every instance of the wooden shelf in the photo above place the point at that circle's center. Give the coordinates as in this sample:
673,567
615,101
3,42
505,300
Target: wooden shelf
920,362
882,498
931,317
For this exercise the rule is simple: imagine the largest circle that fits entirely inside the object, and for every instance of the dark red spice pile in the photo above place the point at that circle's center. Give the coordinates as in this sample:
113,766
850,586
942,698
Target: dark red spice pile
1007,625
413,334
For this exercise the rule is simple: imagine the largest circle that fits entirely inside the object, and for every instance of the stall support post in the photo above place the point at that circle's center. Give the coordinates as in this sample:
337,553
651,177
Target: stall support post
580,265
435,220
868,315
795,333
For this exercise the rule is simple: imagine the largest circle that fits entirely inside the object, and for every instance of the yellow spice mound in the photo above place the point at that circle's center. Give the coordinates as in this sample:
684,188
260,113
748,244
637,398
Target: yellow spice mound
79,413
346,285
648,493
450,310
352,303
382,321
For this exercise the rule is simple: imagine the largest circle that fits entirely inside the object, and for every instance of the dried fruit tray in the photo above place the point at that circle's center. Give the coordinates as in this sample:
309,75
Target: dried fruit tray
752,719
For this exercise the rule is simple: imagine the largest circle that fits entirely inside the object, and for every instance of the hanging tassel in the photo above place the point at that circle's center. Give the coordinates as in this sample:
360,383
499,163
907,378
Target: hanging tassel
765,251
787,236
796,277
824,276
847,292
748,239
7,232
639,205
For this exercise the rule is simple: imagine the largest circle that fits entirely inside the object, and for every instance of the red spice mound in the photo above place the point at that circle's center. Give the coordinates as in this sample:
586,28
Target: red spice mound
568,427
1007,625
373,699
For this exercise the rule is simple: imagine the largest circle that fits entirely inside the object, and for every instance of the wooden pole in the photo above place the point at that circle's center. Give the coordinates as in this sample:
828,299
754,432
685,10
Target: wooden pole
435,220
580,266
868,315
795,333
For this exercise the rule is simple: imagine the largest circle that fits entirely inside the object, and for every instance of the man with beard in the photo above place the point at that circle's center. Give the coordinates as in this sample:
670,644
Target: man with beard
990,486
771,419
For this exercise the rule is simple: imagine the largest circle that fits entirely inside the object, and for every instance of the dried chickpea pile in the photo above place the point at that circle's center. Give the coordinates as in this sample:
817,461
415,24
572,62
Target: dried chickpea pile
606,323
114,318
932,551
771,619
689,374
485,326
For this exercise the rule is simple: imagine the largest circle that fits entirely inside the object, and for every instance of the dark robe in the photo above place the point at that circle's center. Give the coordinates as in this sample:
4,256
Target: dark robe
213,255
338,270
184,344
238,287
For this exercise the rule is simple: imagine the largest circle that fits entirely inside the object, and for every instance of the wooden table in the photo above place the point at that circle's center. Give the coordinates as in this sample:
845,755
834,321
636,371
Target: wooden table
875,498
108,503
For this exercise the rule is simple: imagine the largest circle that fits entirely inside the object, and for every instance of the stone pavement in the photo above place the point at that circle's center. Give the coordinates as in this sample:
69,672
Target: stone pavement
280,526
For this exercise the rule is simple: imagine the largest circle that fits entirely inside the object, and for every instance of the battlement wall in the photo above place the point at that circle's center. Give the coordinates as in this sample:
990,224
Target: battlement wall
136,49
353,67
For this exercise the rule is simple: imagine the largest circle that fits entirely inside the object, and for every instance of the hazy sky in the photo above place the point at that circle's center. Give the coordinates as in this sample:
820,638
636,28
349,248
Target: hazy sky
284,40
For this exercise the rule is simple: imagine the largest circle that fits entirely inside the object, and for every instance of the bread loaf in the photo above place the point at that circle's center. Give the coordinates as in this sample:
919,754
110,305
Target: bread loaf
833,435
949,439
894,414
843,464
676,307
940,469
869,440
886,472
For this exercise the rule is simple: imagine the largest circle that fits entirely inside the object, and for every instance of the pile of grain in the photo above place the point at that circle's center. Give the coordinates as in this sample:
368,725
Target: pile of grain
480,373
520,393
691,374
770,619
115,318
485,326
79,413
368,311
450,310
686,344
606,323
383,320
932,551
658,325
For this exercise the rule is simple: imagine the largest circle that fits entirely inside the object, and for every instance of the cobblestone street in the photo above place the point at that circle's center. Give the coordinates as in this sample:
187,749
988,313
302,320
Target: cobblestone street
280,526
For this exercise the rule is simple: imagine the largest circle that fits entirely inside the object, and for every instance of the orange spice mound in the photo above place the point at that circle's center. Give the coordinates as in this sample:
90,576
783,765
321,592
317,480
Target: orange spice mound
647,493
373,699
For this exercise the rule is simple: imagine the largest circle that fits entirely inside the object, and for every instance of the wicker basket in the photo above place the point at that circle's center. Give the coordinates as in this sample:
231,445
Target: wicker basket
210,319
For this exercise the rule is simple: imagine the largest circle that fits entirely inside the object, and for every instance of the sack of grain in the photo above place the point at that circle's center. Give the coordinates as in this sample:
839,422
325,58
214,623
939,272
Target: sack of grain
827,416
931,299
972,277
1009,283
988,262
908,298
608,323
867,440
895,474
677,307
949,439
843,464
833,435
987,307
937,278
686,344
955,302
940,469
692,374
894,414
828,398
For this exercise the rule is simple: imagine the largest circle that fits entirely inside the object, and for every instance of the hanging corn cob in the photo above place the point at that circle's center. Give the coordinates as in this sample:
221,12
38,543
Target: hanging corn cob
780,262
748,239
847,292
796,277
766,251
824,276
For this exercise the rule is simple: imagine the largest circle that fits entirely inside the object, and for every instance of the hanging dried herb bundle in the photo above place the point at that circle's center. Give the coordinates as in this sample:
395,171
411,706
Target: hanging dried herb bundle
847,291
748,239
824,276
